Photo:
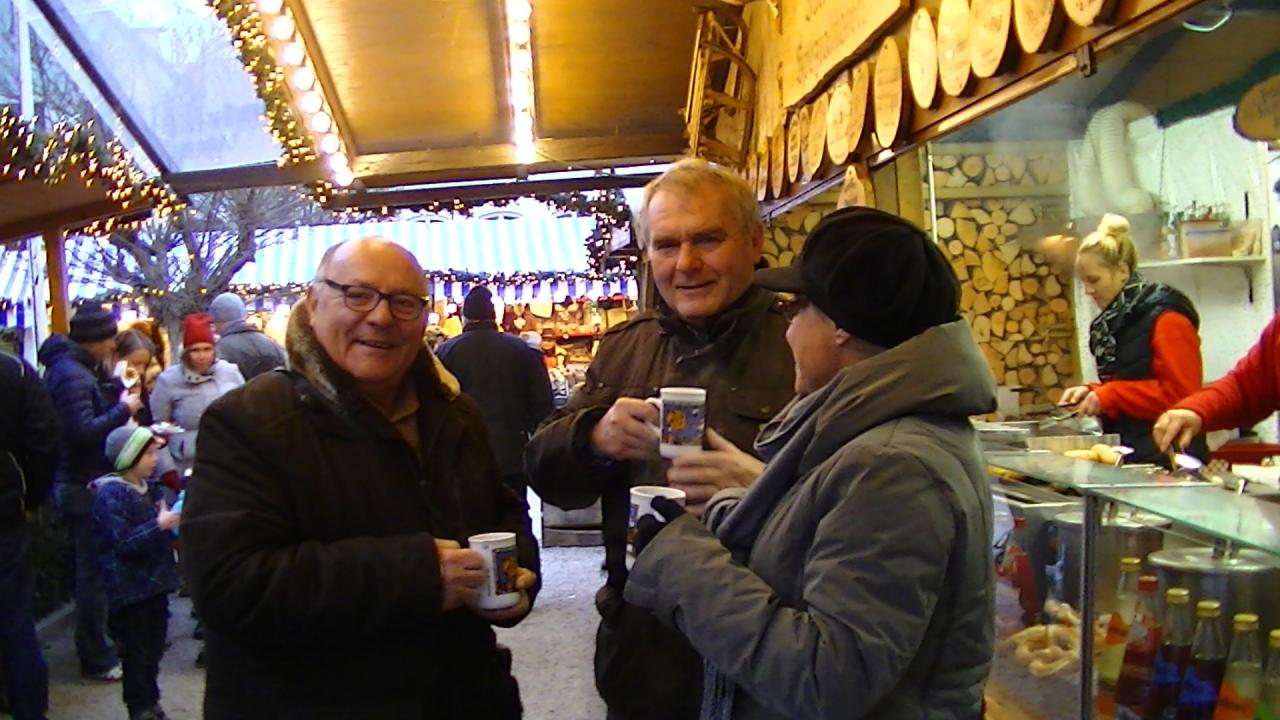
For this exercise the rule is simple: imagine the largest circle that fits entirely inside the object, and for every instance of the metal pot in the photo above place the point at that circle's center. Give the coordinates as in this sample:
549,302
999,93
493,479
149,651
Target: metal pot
1119,537
1245,581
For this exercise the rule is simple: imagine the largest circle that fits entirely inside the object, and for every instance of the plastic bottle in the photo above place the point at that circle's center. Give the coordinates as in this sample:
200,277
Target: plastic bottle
1269,707
1242,683
1133,688
1117,637
1200,683
1175,652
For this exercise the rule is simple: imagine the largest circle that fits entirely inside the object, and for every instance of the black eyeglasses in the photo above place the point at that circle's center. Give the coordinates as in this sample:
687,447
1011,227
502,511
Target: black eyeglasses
362,298
793,306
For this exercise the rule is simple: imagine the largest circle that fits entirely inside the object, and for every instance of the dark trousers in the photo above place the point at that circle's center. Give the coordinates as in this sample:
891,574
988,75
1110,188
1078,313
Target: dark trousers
92,644
139,630
25,673
518,484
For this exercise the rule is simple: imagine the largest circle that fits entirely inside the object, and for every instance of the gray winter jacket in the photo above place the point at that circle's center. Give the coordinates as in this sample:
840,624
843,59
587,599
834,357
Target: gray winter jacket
854,578
181,397
249,349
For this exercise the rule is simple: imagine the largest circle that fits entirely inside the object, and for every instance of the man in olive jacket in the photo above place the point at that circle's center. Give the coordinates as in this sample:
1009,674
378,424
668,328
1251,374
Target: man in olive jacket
323,522
701,231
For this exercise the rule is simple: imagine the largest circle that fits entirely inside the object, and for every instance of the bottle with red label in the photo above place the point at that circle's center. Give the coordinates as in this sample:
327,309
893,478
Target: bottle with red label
1111,656
1199,694
1269,707
1133,688
1242,683
1015,564
1175,652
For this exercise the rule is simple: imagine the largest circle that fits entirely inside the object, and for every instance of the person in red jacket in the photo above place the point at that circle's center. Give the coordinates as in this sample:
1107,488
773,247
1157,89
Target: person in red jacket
1243,397
1145,342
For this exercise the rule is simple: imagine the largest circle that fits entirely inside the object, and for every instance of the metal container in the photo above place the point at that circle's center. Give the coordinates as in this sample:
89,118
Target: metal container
1063,443
1122,536
1245,581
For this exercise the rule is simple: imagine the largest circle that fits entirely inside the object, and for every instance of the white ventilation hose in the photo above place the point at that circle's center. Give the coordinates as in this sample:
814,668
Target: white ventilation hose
1108,136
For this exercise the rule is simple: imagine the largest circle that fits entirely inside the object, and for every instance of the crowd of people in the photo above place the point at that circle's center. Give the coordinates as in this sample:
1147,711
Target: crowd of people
831,558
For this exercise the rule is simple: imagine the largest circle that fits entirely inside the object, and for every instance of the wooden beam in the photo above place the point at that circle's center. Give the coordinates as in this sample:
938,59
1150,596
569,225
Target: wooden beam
55,255
488,162
245,176
1001,191
72,218
515,188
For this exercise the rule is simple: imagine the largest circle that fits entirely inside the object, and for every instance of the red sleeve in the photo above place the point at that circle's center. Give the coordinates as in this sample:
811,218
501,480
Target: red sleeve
1246,394
1176,368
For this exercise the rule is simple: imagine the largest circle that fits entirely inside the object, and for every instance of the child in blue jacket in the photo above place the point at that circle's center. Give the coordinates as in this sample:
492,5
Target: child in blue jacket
135,558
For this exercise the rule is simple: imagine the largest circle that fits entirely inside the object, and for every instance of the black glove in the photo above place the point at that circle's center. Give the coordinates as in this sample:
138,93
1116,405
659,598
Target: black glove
648,527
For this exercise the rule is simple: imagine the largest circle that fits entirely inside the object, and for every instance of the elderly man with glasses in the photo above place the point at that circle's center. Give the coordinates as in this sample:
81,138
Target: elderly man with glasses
323,529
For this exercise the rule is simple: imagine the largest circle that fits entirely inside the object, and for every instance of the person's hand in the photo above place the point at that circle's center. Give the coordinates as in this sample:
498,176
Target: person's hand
461,574
648,527
626,432
701,475
1176,428
167,519
525,579
131,400
1082,400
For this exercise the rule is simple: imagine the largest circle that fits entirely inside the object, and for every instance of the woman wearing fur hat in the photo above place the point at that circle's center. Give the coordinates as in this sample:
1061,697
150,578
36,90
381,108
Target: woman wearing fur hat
184,391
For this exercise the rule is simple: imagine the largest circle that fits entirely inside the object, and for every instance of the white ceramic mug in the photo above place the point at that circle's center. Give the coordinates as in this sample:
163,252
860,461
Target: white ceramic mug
642,503
501,566
682,419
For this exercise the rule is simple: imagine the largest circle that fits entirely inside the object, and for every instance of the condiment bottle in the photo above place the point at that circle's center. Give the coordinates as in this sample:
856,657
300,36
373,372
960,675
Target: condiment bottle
1199,693
1175,652
1242,684
1133,689
1112,656
1269,707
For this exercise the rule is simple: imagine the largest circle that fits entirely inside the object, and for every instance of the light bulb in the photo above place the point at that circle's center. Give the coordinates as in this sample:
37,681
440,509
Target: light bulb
343,177
304,78
519,33
293,53
311,102
523,125
270,7
521,61
526,152
519,11
282,28
321,122
330,143
338,162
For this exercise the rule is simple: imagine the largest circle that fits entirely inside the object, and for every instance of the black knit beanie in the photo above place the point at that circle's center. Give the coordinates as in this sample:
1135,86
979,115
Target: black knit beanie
92,323
479,304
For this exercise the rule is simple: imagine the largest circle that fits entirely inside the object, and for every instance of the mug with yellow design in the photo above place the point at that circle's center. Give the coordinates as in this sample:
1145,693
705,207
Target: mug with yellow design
682,415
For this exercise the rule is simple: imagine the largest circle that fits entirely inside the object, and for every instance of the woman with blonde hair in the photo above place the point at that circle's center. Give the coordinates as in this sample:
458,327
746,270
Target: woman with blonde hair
1145,342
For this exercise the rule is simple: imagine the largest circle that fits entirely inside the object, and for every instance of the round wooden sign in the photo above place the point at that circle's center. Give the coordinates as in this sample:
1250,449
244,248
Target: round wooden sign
815,143
1038,23
838,107
1087,12
859,97
749,169
1258,114
796,130
922,59
989,25
762,175
778,160
887,93
953,46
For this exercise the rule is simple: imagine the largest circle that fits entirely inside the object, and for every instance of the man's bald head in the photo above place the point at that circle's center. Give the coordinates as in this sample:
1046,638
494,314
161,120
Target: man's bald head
376,249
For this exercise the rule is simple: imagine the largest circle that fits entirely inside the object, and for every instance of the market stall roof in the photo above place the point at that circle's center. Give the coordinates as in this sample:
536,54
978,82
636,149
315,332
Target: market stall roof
419,91
28,208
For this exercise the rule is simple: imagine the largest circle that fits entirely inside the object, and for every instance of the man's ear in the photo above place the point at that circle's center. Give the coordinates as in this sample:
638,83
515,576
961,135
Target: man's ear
311,301
842,337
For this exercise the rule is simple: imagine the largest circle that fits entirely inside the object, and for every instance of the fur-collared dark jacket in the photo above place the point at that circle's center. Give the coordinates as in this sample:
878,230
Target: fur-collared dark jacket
308,536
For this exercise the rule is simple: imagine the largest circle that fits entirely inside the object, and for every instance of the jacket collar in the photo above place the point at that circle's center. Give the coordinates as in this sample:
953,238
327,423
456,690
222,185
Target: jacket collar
236,327
480,326
754,301
308,359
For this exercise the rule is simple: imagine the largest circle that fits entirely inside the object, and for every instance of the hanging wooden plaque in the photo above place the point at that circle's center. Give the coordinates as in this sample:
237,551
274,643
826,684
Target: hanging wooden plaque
1038,24
856,188
815,143
922,59
953,47
1087,12
1258,114
859,98
838,119
989,48
797,127
887,93
820,35
778,160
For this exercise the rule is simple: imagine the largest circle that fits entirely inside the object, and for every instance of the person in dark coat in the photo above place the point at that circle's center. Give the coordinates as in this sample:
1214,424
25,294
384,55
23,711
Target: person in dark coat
323,523
30,431
78,382
701,233
506,378
241,344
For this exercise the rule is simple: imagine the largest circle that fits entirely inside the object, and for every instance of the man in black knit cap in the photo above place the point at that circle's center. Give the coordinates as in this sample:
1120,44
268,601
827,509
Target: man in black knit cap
77,378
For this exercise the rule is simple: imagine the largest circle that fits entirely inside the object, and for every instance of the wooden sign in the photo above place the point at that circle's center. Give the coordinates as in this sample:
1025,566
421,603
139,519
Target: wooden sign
778,160
856,188
762,175
887,93
1258,114
796,131
838,107
1038,23
989,25
820,35
859,98
815,143
953,46
1087,12
922,59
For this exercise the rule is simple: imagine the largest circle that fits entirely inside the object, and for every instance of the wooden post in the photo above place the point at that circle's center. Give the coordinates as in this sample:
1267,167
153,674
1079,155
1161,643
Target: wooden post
55,255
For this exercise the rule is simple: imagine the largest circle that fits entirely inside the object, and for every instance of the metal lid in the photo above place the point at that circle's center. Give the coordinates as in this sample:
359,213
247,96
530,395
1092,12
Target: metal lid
1246,621
1275,639
1208,609
1130,564
1148,583
1135,521
1177,596
1202,560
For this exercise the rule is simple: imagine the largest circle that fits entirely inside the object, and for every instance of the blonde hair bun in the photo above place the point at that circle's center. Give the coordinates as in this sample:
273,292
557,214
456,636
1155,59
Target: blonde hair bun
1114,226
1112,242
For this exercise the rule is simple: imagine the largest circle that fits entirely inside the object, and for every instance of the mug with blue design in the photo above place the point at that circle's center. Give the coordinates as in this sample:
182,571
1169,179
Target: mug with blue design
682,419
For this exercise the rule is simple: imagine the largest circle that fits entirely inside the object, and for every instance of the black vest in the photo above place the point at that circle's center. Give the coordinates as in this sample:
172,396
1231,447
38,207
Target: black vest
1133,362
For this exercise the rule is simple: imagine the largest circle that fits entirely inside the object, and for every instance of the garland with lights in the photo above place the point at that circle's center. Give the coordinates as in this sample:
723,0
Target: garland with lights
77,151
250,41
